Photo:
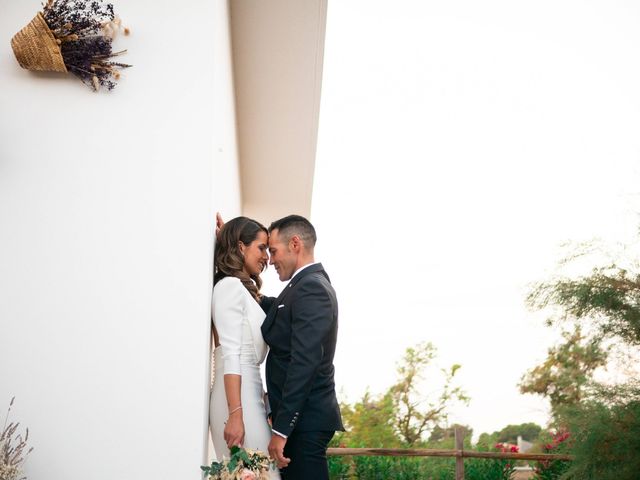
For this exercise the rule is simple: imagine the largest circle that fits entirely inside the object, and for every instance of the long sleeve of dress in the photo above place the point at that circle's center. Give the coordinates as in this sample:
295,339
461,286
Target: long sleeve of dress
228,311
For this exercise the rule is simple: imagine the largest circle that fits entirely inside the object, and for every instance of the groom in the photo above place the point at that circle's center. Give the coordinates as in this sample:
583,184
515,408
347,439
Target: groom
300,328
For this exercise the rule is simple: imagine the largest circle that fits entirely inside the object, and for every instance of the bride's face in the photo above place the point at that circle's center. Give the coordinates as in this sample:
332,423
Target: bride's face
255,254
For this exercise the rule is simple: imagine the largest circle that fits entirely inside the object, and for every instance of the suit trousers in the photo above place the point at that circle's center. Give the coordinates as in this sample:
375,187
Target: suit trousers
308,454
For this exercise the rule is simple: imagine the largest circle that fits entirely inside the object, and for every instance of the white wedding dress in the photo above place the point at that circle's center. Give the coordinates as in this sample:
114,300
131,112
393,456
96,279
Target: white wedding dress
238,318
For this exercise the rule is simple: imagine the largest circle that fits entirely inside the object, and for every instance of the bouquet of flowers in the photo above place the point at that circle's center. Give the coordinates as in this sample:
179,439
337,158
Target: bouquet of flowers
244,464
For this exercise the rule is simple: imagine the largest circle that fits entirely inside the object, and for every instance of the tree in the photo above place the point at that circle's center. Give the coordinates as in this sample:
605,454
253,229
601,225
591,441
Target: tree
370,423
487,440
415,413
439,434
608,298
403,415
510,433
603,421
567,370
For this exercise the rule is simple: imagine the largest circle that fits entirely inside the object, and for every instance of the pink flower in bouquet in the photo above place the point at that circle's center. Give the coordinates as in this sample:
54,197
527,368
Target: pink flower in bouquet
247,474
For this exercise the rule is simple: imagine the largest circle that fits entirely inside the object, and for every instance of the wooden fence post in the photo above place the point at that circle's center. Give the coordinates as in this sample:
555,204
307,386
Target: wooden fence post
459,436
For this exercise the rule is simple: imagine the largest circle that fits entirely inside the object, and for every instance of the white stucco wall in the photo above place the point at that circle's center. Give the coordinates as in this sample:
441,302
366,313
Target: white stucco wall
106,225
227,197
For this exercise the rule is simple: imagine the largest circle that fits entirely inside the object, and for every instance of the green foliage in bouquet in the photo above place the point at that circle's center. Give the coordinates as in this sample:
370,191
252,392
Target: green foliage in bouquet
243,464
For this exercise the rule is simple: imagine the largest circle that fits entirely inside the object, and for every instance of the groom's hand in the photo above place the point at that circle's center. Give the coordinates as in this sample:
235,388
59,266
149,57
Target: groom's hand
276,450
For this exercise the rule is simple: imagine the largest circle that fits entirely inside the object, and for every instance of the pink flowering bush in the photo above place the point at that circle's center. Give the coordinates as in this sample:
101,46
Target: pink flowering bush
489,468
556,443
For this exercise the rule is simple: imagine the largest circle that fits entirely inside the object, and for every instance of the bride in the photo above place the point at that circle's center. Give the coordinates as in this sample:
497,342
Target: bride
237,414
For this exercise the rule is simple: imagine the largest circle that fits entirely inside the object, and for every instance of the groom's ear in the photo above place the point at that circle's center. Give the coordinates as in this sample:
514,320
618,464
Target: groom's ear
295,243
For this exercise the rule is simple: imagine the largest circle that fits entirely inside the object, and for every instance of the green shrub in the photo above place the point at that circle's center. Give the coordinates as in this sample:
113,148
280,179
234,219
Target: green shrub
397,468
606,436
487,469
408,468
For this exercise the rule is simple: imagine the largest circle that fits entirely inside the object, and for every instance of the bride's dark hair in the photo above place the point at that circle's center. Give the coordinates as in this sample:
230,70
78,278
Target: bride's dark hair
229,261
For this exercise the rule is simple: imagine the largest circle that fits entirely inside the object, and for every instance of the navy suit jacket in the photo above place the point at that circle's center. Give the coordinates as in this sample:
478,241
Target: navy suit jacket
301,329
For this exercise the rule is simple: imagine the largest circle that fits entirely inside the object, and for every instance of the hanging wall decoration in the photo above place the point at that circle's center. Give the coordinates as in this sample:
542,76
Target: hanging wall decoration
72,36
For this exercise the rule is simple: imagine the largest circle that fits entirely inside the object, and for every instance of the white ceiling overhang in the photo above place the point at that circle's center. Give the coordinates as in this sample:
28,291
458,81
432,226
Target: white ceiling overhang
277,50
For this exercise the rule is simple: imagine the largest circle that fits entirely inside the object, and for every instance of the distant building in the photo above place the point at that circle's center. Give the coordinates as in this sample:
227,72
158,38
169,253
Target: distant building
523,445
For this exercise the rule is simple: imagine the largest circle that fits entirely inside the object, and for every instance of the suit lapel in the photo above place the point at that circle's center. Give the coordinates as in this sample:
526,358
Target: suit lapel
271,315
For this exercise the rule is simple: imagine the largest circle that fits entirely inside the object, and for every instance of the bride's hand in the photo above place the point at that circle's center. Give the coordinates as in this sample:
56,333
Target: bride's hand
234,430
219,224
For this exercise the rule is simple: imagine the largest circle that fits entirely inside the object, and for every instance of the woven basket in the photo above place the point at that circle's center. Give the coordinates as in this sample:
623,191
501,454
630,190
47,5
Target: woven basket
36,48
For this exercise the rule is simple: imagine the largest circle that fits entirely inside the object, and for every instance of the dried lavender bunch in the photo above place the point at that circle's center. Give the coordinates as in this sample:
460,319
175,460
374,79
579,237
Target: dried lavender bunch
84,29
77,16
12,449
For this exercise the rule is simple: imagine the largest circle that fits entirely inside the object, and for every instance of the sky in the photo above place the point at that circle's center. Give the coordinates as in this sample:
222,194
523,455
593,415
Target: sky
460,145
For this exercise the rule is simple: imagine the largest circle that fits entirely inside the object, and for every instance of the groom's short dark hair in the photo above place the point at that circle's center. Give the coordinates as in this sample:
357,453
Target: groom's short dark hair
295,225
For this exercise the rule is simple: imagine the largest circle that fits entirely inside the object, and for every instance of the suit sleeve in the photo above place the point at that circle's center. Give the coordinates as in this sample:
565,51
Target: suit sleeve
228,306
266,303
312,319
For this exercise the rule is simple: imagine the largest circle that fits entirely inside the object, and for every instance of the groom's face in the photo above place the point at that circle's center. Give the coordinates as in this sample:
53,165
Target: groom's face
282,257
